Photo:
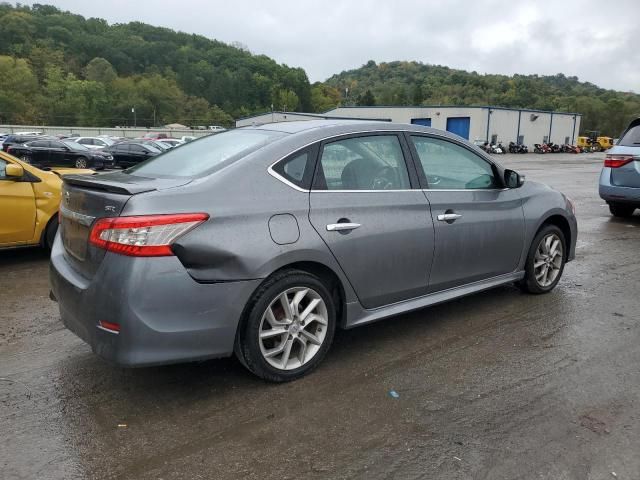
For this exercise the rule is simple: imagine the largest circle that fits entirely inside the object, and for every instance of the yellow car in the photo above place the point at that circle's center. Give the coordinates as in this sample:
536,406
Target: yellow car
29,201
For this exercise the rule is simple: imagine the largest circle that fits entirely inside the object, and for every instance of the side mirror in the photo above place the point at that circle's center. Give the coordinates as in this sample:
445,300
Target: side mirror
14,171
513,179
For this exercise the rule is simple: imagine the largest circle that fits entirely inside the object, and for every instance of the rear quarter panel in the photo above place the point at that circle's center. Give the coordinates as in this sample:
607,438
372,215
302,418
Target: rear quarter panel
236,242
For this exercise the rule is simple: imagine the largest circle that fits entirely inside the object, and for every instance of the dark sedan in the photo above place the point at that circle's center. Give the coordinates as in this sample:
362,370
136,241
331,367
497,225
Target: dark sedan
19,140
60,153
126,154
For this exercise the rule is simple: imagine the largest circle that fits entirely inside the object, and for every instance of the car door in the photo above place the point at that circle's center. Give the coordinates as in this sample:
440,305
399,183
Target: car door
366,205
38,152
120,153
60,155
139,153
479,224
17,209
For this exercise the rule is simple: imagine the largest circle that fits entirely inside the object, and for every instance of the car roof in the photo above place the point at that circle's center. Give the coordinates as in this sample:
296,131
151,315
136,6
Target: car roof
331,127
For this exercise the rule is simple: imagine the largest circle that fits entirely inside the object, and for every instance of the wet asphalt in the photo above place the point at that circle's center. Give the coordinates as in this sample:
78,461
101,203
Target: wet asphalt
498,385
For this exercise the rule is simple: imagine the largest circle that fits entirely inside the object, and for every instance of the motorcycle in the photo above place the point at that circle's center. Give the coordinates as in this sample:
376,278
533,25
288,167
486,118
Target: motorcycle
539,148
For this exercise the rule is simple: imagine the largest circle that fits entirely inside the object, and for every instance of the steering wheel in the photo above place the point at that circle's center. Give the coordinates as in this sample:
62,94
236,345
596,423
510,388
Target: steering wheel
385,179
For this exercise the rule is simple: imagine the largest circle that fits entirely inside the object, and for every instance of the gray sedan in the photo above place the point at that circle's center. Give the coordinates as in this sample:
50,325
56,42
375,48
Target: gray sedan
261,241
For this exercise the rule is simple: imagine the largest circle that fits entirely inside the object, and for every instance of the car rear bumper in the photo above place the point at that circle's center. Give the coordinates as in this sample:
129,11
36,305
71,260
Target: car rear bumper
613,193
164,315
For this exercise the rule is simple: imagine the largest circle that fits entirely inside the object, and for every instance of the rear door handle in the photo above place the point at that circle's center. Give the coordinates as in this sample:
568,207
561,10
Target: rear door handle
340,227
449,217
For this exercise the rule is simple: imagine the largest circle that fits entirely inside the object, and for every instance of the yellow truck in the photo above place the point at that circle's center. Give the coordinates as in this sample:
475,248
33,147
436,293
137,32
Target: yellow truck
29,202
597,144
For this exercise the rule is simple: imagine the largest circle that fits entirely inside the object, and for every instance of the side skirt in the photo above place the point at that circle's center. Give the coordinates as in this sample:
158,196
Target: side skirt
356,315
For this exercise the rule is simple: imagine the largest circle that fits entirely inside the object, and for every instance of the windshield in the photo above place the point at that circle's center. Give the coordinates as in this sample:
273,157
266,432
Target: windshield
74,145
206,154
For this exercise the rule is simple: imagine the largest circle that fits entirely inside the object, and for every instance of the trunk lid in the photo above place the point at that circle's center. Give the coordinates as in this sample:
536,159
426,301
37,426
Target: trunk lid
628,175
88,198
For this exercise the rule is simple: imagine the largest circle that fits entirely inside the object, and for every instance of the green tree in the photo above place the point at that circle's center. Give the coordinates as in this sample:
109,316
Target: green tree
18,88
100,70
366,99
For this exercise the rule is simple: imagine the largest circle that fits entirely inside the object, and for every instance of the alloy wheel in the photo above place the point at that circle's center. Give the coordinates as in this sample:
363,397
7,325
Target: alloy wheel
81,163
293,328
547,262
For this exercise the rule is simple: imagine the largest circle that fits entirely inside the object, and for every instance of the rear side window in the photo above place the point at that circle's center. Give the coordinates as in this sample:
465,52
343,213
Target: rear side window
206,154
363,163
3,169
631,137
298,168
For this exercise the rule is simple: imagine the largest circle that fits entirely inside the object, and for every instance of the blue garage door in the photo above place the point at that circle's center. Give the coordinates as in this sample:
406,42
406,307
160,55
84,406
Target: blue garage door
459,126
425,122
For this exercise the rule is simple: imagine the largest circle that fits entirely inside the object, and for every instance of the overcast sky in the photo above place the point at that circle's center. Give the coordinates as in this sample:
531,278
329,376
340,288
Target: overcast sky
591,39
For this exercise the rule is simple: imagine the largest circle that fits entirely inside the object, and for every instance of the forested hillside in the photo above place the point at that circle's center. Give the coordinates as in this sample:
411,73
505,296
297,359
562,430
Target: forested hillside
58,68
414,83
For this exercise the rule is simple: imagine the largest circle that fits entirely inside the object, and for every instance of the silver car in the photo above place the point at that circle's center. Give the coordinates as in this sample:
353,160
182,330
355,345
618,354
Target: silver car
261,241
620,176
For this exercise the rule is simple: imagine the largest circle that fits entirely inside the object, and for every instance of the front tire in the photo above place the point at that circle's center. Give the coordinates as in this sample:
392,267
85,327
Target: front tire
545,261
288,327
81,162
621,211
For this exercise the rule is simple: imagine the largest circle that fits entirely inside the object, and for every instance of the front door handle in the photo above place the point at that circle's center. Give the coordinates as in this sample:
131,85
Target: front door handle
341,227
449,217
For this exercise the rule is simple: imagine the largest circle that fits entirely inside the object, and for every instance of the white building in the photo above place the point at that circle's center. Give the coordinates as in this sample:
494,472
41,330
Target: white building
477,124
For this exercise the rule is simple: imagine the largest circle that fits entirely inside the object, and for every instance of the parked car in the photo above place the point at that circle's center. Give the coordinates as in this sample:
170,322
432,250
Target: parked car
29,200
216,128
158,144
17,139
46,152
154,136
187,138
126,154
171,142
263,240
620,176
34,133
95,143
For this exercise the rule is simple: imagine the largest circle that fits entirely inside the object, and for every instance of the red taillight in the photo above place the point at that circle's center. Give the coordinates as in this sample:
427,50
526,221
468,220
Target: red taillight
145,235
617,161
9,149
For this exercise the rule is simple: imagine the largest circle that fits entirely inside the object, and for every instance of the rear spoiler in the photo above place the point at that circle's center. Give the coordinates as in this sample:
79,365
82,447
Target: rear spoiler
98,183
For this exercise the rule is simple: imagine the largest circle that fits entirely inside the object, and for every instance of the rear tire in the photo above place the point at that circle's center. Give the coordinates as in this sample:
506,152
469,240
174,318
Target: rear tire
545,261
280,346
620,210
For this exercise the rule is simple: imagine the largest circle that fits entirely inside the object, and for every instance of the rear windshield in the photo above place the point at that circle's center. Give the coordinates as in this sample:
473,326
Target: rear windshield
206,154
631,138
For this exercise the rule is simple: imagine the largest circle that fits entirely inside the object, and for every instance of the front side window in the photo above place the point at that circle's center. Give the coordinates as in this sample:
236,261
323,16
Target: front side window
138,149
448,166
363,163
3,169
